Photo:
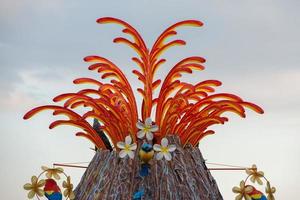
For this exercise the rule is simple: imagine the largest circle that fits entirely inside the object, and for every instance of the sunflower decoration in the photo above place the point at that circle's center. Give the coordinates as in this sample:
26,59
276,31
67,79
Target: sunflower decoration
46,185
249,192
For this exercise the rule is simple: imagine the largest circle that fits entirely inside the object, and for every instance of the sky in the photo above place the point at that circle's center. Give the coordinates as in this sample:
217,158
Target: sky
251,46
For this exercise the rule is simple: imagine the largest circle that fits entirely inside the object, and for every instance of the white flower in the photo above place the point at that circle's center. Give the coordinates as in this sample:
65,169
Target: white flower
127,148
146,129
164,149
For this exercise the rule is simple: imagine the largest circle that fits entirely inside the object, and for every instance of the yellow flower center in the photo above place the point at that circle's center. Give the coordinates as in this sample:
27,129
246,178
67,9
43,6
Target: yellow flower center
127,147
147,128
164,149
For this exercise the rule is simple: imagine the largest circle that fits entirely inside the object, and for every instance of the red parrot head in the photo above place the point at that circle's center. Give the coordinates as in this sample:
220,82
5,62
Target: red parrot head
253,191
51,185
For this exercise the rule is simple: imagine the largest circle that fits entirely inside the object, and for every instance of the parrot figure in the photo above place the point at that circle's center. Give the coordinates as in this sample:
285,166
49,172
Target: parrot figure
146,153
52,191
256,194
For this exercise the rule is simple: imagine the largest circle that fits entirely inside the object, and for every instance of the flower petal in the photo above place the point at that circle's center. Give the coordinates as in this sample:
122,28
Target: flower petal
239,197
65,185
248,189
168,156
130,154
27,186
148,121
154,128
40,192
159,156
34,179
41,183
242,184
149,136
128,139
123,153
172,147
248,171
260,173
259,181
164,142
45,168
72,195
252,179
31,194
66,192
141,134
56,176
157,147
49,174
121,145
247,197
59,170
140,125
133,146
236,190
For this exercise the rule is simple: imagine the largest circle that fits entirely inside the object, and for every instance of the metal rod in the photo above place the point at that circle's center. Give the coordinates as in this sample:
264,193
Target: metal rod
230,168
211,169
65,165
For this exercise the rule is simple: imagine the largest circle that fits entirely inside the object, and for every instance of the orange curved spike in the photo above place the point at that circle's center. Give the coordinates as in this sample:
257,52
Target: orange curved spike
184,109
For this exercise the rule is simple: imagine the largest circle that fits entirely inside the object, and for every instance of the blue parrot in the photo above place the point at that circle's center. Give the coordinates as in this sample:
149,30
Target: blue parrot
146,153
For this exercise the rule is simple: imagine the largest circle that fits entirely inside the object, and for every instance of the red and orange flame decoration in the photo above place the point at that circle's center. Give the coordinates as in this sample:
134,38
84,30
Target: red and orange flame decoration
182,108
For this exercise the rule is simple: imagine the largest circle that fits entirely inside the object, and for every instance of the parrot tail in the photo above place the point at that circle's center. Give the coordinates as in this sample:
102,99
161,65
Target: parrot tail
264,197
144,171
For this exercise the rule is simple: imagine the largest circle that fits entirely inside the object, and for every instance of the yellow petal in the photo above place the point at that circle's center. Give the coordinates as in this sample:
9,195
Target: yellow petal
27,186
247,197
48,174
60,170
45,168
249,171
34,179
40,192
66,192
41,183
239,197
236,190
260,173
259,181
56,176
242,184
72,195
248,189
252,179
31,194
65,185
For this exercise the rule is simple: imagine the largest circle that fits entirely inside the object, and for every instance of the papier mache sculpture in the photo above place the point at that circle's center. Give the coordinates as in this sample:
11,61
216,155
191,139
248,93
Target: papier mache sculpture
152,156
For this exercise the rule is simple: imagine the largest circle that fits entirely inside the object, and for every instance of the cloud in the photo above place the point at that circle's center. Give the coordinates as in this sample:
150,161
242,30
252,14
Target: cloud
11,10
33,87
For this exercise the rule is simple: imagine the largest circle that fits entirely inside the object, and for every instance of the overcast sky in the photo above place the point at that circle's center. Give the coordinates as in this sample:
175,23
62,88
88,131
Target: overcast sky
252,46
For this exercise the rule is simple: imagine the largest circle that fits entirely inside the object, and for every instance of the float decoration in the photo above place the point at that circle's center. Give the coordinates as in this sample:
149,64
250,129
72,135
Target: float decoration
249,192
45,185
123,167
